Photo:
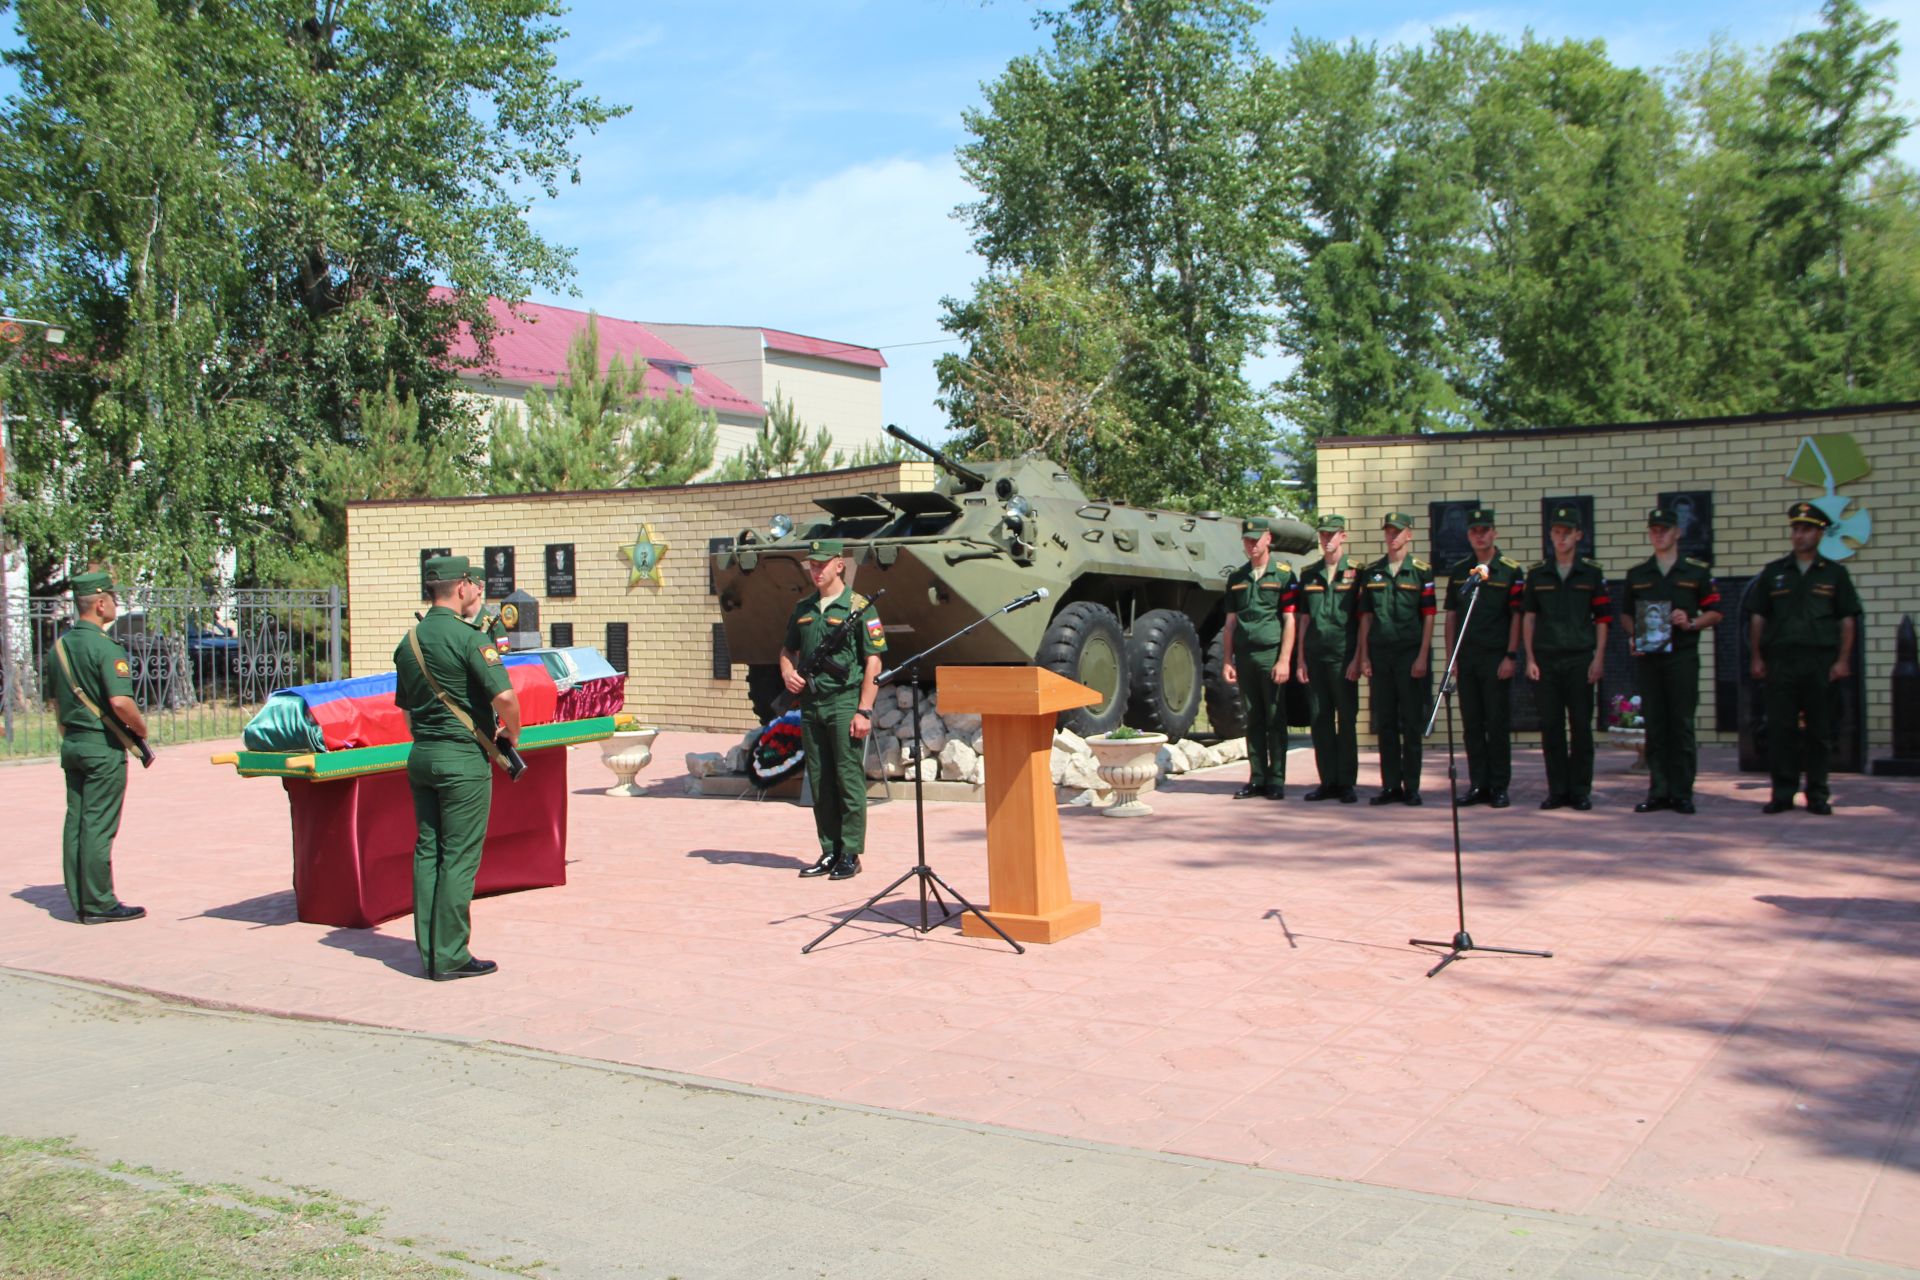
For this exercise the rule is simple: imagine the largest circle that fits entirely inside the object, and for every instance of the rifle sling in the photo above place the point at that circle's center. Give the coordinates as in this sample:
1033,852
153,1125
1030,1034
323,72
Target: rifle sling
112,723
459,712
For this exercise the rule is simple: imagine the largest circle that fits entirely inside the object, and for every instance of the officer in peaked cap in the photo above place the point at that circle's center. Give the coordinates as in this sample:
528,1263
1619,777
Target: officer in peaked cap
1669,600
1261,600
93,683
1564,631
836,708
1489,655
451,683
1394,650
1804,622
1328,633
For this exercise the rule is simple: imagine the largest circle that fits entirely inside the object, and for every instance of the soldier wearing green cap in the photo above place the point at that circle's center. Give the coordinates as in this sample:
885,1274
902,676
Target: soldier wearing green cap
452,685
1669,600
1805,618
1328,634
1489,655
93,684
1393,651
1564,631
1261,601
836,709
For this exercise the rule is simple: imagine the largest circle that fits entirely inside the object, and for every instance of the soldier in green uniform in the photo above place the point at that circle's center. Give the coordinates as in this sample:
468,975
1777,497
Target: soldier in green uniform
836,709
1393,651
93,685
1685,601
1564,630
1802,631
491,623
1327,638
1259,647
1489,655
453,688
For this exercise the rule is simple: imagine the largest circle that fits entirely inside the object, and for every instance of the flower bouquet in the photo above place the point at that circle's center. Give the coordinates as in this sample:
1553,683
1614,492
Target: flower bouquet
1623,712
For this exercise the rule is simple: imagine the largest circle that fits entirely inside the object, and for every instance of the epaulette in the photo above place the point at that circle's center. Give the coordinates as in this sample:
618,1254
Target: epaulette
1702,564
1537,564
859,602
1284,565
1510,562
1594,563
1420,564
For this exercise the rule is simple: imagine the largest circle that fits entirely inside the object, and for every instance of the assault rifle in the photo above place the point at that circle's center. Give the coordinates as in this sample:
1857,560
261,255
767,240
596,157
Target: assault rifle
826,659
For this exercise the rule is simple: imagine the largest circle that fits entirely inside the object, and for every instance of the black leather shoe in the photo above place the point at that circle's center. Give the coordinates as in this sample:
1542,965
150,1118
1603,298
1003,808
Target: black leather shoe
473,968
1394,796
1276,793
1652,805
1322,792
1412,798
819,868
1820,808
1249,791
1475,795
1500,800
1681,806
115,915
1554,802
1582,803
846,868
1780,806
1349,796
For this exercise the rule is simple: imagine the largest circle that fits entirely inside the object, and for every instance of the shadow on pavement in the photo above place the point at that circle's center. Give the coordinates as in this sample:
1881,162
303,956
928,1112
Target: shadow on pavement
398,954
732,857
268,908
50,898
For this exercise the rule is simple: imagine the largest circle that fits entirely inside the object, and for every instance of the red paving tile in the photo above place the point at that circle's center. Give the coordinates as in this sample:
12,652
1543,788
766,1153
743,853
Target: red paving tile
1726,1040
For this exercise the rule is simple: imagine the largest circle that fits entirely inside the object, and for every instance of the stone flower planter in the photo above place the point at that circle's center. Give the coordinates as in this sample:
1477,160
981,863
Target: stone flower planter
627,752
1126,765
1634,740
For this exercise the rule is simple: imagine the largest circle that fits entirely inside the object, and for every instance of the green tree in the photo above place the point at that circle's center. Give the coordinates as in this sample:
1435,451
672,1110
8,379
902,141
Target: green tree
241,211
784,448
1147,141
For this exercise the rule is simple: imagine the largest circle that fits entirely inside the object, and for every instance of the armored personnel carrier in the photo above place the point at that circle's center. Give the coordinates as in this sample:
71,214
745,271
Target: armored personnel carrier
1134,603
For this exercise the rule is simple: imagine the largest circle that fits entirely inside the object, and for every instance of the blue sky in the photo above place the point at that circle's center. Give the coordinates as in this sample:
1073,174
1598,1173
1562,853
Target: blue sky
791,165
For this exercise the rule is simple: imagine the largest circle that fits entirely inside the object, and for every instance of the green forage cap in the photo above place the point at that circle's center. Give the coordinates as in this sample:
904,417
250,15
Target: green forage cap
1330,523
1481,518
824,549
448,568
1254,526
91,584
1396,520
1662,516
1568,516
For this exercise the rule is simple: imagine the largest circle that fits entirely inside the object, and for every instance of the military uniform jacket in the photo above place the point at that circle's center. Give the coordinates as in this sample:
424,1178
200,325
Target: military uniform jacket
1499,602
1689,585
1568,611
466,665
812,625
1803,607
1257,600
100,667
1327,601
1397,601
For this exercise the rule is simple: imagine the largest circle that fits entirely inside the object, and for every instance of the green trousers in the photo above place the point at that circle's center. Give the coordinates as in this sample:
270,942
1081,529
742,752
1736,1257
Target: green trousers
1797,688
1335,704
96,772
1400,705
1669,696
836,773
452,787
1266,716
1565,702
1486,719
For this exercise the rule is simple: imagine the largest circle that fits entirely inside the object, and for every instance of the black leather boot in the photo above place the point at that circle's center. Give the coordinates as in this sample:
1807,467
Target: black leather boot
846,868
819,868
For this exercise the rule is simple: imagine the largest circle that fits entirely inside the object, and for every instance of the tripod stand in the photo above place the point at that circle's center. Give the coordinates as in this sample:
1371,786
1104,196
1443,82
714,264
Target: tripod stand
930,883
1462,941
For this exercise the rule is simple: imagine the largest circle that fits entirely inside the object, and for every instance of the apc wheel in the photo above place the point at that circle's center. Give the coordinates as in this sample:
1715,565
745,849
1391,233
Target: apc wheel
1084,643
764,687
1226,709
1165,674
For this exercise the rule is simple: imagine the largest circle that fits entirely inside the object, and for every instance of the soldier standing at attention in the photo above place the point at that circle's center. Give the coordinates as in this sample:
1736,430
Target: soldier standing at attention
452,686
1803,630
1259,642
1488,658
1326,648
836,708
1685,602
90,674
1393,651
1565,632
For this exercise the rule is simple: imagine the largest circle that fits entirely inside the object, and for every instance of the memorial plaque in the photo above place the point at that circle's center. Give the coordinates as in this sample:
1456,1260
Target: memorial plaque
1448,520
1694,509
559,570
1584,505
499,570
426,554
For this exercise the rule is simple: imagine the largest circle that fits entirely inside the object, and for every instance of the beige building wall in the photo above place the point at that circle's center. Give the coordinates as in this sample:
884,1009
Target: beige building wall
843,398
1743,462
734,353
670,680
734,433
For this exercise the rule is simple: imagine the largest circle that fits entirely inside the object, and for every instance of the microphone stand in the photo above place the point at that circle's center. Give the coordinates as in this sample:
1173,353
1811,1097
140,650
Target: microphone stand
1462,941
930,882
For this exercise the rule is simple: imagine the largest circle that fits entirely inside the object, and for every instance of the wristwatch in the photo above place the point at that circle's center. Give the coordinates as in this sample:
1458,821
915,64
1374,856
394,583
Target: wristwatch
1513,655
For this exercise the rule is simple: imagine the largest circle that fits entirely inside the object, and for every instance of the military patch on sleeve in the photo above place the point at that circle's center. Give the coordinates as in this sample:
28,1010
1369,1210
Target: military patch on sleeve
120,667
501,644
491,655
876,632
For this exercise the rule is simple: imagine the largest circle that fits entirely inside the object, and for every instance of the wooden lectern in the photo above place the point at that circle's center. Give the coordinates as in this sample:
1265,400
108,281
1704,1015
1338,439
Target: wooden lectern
1027,889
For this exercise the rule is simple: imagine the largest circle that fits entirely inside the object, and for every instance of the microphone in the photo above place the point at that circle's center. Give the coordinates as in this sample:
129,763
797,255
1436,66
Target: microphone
1038,593
1477,575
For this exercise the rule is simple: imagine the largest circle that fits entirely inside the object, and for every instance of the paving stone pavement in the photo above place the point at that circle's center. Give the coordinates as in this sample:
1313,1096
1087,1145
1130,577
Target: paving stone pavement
518,1157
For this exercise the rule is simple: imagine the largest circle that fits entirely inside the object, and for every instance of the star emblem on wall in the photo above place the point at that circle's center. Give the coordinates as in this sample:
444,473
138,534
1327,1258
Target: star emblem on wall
643,556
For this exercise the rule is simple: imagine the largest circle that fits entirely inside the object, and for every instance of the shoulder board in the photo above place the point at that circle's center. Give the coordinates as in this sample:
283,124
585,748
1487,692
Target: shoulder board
1537,564
859,602
1698,564
1591,564
1283,566
1420,564
1510,562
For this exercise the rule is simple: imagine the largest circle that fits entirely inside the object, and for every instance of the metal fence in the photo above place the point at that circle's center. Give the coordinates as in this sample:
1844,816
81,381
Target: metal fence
202,662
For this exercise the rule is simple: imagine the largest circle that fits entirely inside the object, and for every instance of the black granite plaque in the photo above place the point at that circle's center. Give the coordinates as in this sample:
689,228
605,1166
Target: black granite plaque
560,565
1694,508
1585,507
426,554
1448,520
499,571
